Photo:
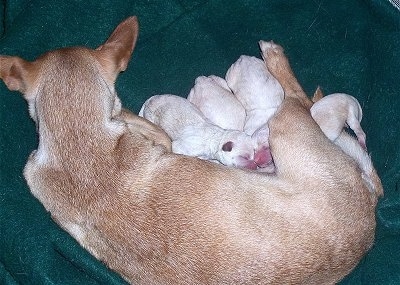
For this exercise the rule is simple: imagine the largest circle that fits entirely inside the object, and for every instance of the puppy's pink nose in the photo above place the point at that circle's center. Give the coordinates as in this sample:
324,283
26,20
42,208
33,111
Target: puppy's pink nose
251,165
263,157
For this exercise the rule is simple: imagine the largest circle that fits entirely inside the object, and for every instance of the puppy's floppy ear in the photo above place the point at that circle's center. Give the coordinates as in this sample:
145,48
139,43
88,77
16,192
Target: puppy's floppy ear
261,135
17,74
115,53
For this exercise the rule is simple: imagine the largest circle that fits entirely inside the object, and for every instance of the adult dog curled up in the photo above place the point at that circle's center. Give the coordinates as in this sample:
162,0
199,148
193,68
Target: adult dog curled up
160,218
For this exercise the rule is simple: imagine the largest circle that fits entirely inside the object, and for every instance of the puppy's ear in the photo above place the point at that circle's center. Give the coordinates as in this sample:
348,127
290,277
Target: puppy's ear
261,135
17,74
115,53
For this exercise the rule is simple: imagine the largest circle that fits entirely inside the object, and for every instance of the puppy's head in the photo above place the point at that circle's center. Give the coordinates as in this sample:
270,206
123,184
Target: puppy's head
237,150
243,151
59,78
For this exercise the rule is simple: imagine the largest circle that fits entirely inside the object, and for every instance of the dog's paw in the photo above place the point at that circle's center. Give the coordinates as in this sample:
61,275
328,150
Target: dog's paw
273,55
270,47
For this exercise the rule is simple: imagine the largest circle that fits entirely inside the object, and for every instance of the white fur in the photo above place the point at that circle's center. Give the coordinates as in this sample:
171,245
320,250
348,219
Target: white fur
360,156
192,134
212,96
335,111
255,87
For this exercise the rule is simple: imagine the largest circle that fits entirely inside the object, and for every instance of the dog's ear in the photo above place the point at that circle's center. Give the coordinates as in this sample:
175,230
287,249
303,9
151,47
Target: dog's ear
115,53
17,74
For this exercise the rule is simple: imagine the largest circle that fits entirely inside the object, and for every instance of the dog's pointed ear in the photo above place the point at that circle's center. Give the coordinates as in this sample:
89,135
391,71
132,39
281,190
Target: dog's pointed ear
116,52
17,74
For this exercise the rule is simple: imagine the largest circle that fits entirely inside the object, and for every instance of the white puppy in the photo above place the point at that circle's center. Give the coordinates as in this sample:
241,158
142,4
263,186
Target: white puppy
212,96
336,111
255,87
192,134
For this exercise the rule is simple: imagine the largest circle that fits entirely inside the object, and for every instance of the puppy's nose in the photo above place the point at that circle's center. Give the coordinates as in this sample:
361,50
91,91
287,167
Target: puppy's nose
246,162
251,165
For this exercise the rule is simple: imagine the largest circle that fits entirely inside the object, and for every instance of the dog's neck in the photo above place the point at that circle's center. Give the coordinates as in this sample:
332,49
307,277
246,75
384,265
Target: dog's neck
66,112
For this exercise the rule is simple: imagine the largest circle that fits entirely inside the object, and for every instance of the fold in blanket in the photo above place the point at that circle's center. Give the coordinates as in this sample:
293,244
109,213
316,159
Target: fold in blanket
343,46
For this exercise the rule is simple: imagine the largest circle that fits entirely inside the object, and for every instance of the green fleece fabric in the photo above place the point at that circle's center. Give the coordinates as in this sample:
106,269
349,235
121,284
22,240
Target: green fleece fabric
350,46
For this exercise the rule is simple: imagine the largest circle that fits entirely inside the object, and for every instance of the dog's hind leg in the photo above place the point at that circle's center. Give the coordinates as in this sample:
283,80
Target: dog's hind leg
299,147
278,65
297,143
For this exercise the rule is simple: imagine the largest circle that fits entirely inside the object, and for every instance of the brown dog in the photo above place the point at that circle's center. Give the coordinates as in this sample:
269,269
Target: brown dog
162,218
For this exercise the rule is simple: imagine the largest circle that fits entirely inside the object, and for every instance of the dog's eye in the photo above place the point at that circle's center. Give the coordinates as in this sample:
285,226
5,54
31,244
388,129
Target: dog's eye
227,146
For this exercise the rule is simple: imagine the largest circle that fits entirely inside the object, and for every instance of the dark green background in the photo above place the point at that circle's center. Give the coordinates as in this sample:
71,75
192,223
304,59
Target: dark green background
344,46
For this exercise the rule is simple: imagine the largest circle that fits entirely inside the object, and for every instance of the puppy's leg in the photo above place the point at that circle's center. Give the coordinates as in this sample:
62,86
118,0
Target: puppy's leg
354,124
350,147
147,129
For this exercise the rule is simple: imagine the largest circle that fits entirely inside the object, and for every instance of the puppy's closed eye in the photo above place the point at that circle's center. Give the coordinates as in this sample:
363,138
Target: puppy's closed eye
227,146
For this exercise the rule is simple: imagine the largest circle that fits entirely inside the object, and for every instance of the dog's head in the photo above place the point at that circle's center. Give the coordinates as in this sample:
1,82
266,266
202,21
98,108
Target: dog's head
57,78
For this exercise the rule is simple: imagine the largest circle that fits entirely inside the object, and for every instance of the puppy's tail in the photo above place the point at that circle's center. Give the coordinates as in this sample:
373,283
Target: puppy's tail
352,148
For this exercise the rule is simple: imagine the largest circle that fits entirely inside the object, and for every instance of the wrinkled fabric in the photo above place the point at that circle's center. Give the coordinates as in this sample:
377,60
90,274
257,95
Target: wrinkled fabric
344,46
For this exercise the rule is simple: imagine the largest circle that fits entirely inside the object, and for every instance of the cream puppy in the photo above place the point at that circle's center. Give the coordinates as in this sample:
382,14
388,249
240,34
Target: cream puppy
192,134
336,111
255,87
212,96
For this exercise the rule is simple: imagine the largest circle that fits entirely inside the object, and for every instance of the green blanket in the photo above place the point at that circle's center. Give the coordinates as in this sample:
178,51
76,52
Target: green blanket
349,46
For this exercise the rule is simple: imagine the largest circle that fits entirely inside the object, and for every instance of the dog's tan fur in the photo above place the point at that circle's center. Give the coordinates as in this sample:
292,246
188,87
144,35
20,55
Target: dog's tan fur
161,218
